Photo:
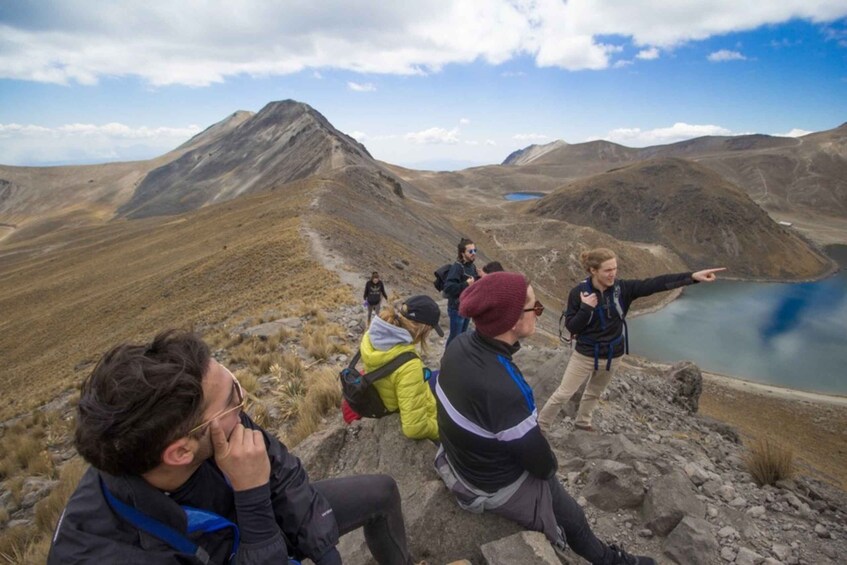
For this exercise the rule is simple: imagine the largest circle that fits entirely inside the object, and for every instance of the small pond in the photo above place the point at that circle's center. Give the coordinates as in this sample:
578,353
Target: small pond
524,195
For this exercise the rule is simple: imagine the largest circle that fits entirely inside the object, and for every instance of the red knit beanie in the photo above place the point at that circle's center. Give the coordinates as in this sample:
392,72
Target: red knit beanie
495,302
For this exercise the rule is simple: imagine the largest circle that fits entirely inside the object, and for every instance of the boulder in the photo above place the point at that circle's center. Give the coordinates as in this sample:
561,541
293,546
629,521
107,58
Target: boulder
692,543
611,486
668,501
524,548
688,385
378,446
270,329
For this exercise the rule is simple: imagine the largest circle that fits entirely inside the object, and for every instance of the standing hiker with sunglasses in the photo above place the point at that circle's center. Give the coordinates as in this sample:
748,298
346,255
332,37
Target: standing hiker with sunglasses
462,274
595,317
493,456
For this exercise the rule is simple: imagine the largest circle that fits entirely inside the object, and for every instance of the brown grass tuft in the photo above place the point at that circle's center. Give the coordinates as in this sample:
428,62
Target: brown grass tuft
318,344
259,413
291,366
15,544
48,509
769,462
322,396
249,382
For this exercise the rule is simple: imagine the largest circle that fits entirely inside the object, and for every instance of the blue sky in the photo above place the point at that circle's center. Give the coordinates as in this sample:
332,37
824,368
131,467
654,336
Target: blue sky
426,84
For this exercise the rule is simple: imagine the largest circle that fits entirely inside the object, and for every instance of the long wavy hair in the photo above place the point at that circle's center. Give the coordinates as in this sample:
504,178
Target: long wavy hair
593,258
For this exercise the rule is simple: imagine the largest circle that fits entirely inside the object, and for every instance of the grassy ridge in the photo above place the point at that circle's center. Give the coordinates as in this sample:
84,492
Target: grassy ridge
68,296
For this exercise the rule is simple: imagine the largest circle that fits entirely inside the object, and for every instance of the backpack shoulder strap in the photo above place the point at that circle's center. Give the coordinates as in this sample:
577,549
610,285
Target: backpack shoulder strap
616,298
352,364
154,527
389,367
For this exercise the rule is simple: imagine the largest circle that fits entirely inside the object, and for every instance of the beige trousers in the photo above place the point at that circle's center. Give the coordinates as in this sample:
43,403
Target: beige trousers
580,367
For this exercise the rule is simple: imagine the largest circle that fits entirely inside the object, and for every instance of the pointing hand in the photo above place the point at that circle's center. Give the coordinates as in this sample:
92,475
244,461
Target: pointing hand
707,275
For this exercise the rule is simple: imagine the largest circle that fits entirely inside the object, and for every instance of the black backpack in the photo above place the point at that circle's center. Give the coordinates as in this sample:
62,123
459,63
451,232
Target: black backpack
441,276
357,390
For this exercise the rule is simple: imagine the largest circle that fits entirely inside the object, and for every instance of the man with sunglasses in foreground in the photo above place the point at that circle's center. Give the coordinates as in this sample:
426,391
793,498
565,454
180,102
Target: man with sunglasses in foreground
180,474
493,456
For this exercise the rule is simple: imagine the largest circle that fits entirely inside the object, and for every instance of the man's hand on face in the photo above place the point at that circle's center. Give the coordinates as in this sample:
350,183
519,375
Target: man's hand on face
243,457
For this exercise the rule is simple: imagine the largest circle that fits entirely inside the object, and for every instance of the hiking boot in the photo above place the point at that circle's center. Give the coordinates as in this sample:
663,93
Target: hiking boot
584,427
621,557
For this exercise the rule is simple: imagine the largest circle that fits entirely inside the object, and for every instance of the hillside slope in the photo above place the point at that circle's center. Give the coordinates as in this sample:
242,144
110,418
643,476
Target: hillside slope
692,211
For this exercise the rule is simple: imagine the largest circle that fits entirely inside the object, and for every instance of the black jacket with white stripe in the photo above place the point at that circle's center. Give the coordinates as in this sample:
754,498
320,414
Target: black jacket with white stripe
487,416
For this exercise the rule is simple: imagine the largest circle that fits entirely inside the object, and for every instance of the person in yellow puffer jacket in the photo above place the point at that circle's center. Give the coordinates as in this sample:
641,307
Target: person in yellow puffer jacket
393,332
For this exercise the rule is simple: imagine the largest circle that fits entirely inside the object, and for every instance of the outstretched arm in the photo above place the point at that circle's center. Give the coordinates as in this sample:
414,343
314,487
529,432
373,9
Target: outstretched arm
707,275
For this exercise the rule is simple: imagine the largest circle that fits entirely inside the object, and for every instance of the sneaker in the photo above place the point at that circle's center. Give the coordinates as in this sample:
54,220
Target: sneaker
621,557
584,427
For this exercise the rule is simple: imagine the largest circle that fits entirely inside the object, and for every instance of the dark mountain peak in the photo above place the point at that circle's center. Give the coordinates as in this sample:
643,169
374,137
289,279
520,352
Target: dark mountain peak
215,131
283,142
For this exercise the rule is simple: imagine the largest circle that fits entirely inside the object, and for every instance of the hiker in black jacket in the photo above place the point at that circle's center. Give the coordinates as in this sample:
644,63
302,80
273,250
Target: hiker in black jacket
179,474
493,456
374,293
595,316
462,274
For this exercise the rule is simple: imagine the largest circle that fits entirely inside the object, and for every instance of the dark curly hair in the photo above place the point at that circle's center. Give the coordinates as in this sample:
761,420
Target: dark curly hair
140,398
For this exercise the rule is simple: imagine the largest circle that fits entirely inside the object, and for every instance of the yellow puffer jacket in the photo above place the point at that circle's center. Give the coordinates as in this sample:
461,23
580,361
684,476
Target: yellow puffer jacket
403,390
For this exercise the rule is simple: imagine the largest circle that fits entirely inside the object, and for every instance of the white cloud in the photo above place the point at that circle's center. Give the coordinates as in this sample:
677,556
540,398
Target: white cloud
510,74
87,143
636,137
490,142
530,137
358,135
434,136
795,132
164,43
361,87
464,121
621,63
648,54
725,55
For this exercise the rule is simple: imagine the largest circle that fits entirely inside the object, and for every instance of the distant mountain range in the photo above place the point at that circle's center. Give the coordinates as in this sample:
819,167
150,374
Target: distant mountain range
699,198
780,173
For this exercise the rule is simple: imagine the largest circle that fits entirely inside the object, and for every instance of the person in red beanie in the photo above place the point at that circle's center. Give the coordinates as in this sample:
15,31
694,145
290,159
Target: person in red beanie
493,456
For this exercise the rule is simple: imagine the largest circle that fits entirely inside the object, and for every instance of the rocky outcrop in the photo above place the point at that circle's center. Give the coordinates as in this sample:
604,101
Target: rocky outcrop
657,479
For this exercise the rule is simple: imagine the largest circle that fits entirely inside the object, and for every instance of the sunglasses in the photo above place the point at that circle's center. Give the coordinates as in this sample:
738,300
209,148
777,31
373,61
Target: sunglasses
472,251
237,396
538,308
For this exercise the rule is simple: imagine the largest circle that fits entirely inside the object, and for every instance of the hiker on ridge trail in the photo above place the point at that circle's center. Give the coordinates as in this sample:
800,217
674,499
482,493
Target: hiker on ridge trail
493,456
392,333
163,425
374,293
462,274
595,317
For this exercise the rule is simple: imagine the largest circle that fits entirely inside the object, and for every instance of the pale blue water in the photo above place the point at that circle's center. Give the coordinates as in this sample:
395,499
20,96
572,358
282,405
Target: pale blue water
792,335
524,195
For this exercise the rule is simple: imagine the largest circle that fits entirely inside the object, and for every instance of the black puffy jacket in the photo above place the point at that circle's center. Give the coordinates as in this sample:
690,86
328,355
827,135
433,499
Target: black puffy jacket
89,531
